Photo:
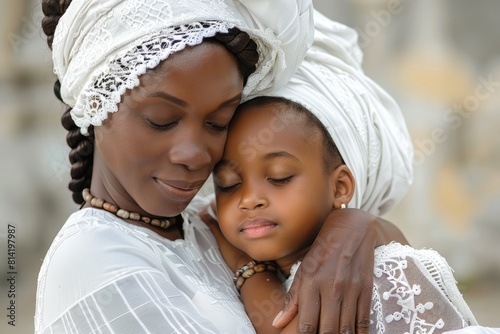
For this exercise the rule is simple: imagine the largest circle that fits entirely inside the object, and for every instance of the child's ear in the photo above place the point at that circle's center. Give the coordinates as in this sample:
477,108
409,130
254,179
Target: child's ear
343,184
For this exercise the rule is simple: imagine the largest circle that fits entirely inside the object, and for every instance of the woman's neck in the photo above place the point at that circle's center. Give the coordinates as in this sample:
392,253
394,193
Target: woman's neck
111,195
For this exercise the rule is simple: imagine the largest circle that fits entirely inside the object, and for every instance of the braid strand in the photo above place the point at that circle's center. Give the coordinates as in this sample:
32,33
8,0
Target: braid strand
243,48
53,10
81,155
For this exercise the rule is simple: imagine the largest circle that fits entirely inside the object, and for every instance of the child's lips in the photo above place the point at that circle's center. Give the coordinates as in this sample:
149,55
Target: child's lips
257,227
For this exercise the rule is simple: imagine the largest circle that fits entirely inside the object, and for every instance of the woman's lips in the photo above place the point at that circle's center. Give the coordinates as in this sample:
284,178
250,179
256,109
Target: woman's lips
180,190
257,227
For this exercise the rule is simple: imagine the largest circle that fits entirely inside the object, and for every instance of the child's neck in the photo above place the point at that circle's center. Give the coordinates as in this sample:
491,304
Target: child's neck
286,263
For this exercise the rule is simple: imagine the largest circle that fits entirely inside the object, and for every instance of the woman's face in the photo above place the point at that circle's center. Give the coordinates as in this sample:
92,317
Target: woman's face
154,154
273,193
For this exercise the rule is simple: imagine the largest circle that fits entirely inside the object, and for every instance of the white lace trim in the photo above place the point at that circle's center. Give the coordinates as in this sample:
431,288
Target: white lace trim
103,91
415,303
414,291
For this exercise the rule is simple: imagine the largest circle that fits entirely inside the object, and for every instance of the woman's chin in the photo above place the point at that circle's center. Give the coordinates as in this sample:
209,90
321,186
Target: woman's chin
173,209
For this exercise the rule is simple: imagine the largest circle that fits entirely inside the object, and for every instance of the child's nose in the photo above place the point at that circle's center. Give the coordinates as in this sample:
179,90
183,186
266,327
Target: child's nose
252,198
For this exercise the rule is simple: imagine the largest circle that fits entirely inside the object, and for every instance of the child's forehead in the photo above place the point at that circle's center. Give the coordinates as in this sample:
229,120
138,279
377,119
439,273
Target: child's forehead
275,121
272,127
274,112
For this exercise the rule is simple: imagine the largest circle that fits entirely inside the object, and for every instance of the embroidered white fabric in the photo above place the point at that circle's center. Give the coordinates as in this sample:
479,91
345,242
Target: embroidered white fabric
414,291
105,89
101,47
103,275
476,330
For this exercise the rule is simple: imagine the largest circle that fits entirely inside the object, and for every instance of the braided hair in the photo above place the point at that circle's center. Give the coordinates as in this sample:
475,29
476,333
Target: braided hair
81,155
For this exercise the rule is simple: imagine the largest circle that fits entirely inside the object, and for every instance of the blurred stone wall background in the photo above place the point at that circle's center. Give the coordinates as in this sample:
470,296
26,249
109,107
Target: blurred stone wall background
440,59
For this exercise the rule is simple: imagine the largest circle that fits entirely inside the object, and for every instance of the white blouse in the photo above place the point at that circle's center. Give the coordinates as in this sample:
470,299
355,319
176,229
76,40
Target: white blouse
104,275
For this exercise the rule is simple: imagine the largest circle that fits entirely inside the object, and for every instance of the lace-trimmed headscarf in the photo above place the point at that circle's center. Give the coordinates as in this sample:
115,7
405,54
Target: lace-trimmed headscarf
365,123
101,47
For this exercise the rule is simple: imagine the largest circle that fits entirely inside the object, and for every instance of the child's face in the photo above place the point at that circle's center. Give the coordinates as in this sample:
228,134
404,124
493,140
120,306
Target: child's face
272,190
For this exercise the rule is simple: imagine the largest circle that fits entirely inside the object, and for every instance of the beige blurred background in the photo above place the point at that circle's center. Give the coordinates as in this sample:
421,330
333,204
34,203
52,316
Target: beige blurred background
440,59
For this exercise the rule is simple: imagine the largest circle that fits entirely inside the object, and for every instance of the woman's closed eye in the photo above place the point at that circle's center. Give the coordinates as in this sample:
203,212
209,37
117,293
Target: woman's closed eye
161,126
218,127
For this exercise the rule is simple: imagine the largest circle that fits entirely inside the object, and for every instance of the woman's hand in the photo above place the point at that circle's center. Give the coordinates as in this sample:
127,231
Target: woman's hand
233,257
332,290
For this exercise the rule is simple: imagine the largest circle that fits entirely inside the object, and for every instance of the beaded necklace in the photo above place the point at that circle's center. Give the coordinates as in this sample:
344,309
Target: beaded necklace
99,203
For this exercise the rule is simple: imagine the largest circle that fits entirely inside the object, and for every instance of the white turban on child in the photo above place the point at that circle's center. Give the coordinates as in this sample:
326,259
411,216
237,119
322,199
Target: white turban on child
101,47
364,121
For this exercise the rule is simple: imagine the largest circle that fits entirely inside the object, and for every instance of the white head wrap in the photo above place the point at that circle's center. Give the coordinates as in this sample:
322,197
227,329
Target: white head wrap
364,121
101,47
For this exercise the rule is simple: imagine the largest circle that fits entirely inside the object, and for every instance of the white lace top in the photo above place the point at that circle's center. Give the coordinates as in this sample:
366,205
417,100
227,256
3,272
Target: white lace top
414,291
103,275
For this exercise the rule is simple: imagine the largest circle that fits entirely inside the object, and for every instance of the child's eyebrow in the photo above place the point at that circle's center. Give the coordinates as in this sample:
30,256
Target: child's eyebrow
225,163
279,154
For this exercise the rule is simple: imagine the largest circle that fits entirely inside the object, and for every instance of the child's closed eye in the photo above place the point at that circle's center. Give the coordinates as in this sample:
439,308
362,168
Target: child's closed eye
226,188
280,180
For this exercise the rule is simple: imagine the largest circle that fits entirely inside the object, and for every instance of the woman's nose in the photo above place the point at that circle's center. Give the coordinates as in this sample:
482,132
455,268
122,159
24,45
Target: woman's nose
193,156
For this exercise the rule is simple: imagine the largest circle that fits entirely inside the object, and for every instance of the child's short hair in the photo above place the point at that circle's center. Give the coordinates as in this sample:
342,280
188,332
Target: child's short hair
331,155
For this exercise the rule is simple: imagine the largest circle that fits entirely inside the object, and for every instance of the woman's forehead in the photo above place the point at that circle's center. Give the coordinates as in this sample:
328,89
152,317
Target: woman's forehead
205,73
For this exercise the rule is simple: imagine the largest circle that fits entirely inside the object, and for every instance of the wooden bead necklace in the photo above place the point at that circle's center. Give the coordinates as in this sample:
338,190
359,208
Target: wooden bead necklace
101,204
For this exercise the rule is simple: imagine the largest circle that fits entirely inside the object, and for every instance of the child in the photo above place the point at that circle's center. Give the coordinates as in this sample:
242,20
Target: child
272,196
272,200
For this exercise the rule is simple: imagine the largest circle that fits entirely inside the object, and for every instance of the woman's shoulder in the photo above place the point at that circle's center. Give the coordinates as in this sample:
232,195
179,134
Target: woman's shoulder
395,250
90,250
99,246
90,230
423,261
97,236
95,244
395,261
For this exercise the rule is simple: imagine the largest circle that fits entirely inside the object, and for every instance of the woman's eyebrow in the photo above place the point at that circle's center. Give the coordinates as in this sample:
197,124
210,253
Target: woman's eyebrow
183,103
170,98
235,98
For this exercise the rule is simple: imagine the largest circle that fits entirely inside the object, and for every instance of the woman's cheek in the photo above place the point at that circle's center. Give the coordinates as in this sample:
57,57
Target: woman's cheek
217,148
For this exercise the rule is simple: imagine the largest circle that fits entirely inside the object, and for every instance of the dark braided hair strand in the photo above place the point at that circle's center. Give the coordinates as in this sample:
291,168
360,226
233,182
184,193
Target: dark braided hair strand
82,147
243,48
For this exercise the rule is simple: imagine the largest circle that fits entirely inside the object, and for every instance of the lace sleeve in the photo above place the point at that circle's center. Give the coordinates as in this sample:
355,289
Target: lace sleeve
476,330
415,292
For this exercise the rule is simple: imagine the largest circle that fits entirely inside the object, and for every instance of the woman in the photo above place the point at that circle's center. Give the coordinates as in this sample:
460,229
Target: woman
145,134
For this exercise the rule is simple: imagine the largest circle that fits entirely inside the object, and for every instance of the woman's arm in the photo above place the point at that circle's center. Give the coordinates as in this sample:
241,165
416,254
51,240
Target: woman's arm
332,290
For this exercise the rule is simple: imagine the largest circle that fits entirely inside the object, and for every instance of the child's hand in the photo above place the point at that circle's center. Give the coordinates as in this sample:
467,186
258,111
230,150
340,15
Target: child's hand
234,257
